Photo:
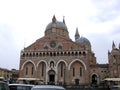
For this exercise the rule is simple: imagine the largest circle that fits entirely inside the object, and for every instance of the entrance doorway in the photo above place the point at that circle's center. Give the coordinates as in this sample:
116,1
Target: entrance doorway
52,78
76,81
94,79
51,74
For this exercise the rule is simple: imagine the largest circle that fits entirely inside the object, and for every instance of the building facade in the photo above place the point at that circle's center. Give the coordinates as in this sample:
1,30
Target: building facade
55,58
9,75
114,61
5,74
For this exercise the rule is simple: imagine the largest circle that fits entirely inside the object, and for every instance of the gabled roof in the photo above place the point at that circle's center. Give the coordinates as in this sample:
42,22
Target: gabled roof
39,44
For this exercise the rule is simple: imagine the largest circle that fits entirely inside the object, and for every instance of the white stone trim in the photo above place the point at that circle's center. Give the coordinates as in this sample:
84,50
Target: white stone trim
42,61
61,61
27,62
75,61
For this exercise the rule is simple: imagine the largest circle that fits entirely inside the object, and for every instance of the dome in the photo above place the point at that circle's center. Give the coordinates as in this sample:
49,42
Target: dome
59,25
83,41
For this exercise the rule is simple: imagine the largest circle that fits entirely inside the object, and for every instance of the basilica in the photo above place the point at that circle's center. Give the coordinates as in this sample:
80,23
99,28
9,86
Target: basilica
55,58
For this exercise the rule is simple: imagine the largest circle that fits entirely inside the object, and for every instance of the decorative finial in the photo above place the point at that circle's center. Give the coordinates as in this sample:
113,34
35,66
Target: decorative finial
77,36
108,52
113,45
77,31
64,19
54,19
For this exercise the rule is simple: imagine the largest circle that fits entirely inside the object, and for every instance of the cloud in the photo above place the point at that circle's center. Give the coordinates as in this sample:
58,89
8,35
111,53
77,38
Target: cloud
107,10
25,21
8,50
102,42
100,45
116,30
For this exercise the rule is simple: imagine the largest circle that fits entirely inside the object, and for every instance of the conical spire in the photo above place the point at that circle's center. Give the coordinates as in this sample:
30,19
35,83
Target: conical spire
64,19
77,36
119,46
108,52
113,45
54,19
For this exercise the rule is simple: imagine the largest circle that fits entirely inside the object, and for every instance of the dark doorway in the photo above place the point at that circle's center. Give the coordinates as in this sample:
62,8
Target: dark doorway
51,77
76,81
94,80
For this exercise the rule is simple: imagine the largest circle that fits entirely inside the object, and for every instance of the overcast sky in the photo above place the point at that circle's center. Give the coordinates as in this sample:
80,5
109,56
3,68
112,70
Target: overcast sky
22,22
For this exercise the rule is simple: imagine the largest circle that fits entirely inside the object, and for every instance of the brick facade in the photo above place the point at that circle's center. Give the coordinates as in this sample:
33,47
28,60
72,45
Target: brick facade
56,58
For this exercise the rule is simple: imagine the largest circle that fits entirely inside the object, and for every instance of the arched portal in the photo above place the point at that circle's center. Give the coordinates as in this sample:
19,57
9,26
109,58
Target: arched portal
94,79
51,75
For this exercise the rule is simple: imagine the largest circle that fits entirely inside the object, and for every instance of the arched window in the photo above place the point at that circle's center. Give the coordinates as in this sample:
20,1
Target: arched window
51,64
42,69
73,71
32,70
50,53
80,71
68,53
73,53
46,47
65,53
60,47
61,69
76,53
84,53
26,71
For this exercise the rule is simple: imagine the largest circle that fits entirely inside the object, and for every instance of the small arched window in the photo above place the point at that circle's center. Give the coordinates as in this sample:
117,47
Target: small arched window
26,71
73,71
32,70
80,71
51,64
60,47
46,47
42,69
61,69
